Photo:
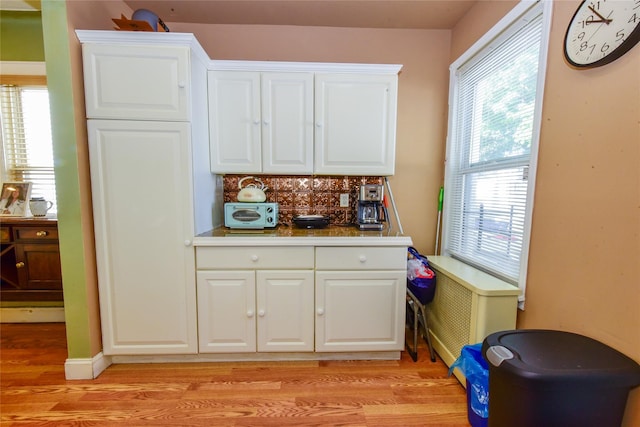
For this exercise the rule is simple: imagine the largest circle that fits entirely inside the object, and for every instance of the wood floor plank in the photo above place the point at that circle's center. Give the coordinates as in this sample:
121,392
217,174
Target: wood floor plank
377,393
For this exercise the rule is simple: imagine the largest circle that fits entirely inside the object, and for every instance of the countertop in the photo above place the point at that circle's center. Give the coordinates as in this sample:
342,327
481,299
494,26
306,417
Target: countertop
284,235
29,220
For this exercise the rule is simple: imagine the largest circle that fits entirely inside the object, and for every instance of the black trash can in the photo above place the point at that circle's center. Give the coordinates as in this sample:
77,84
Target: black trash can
554,378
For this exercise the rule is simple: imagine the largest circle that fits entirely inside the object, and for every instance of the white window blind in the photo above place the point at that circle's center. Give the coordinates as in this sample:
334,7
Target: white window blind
496,97
26,139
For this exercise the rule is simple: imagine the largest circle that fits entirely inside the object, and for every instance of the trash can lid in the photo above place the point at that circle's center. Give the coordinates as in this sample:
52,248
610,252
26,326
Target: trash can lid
548,354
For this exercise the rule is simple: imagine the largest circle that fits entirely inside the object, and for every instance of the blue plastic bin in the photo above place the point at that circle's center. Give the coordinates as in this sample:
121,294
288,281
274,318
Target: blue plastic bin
476,371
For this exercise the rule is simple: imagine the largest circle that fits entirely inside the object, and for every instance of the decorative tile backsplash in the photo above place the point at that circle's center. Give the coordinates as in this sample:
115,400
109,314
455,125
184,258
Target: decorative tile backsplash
307,195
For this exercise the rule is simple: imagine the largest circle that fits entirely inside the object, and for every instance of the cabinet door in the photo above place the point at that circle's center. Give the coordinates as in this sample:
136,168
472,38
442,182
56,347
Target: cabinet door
360,310
287,123
136,82
38,266
30,261
285,310
226,311
234,122
143,213
355,124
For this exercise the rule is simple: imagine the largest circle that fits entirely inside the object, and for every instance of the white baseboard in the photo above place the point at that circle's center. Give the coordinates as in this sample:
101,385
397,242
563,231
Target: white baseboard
32,315
254,357
86,368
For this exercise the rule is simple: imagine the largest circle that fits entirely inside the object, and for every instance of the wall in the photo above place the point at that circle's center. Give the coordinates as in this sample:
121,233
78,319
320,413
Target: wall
21,36
75,222
76,255
584,261
307,195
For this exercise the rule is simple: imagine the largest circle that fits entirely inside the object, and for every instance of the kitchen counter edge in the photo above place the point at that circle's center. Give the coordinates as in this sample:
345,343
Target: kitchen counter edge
309,240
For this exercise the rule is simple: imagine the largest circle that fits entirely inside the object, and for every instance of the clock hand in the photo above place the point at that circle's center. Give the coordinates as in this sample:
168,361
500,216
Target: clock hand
597,21
602,18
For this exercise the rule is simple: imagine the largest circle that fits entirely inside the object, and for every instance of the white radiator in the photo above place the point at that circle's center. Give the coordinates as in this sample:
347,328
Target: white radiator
468,305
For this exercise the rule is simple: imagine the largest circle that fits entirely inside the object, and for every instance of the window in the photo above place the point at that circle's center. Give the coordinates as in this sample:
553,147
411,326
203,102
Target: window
26,138
494,119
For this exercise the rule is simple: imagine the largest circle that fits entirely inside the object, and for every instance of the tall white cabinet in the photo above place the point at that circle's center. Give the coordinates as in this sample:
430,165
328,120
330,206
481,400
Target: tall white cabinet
146,104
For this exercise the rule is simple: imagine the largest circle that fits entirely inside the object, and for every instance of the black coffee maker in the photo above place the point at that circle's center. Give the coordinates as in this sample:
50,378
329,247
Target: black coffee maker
372,214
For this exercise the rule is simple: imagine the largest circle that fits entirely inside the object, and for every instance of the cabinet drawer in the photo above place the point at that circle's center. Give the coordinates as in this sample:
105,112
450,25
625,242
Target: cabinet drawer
267,257
361,258
5,234
36,233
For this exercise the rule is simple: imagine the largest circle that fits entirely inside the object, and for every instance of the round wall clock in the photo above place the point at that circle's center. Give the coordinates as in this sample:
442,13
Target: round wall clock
601,31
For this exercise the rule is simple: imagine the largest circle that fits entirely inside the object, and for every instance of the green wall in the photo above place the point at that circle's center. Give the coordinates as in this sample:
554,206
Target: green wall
65,153
21,36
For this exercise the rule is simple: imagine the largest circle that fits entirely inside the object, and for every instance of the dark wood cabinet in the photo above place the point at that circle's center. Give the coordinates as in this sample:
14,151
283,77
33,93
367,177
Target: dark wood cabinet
30,260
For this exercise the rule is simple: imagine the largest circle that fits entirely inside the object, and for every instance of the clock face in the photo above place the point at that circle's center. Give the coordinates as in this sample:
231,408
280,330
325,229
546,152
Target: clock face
602,31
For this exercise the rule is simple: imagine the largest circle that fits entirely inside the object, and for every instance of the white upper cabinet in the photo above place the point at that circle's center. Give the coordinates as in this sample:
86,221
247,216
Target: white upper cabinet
261,122
137,83
234,122
287,123
355,123
303,118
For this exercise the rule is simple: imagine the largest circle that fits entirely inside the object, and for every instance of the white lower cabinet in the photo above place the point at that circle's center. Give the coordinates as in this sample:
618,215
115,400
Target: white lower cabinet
247,311
226,311
360,310
301,299
255,299
360,299
285,310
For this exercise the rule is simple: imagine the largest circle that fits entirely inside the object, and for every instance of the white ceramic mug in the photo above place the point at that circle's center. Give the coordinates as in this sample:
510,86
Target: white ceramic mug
39,207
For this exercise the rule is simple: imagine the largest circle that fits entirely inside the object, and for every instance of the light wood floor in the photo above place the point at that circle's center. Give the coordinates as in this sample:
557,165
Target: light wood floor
279,394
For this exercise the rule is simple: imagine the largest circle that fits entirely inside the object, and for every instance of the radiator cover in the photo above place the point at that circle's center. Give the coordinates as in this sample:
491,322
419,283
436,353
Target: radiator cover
468,305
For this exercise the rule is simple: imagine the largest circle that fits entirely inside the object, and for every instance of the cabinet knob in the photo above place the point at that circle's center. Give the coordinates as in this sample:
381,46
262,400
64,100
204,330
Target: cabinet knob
41,233
261,313
256,122
182,85
319,124
255,258
250,313
266,122
320,311
187,242
363,258
20,264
